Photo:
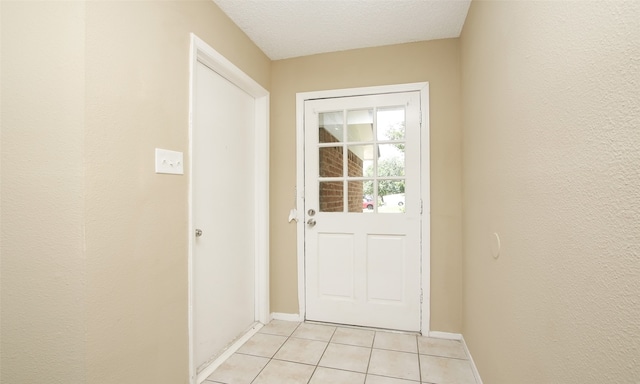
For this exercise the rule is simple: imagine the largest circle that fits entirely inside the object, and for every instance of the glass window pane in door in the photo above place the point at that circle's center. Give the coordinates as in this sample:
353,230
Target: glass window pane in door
391,193
360,125
391,123
331,195
357,202
391,160
359,160
330,161
331,127
367,192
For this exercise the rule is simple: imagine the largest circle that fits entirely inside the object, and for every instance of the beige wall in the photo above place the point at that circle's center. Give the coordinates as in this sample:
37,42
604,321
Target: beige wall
551,116
137,99
43,266
94,253
436,62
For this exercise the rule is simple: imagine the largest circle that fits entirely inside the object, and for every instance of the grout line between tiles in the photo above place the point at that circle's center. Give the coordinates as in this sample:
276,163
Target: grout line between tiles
419,364
259,372
313,373
271,358
373,342
394,377
395,350
444,357
321,356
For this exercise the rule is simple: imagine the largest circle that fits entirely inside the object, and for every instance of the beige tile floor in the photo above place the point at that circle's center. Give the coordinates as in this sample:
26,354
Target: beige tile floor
285,352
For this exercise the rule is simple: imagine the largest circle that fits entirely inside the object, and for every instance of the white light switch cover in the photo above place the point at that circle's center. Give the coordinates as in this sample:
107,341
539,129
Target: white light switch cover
169,162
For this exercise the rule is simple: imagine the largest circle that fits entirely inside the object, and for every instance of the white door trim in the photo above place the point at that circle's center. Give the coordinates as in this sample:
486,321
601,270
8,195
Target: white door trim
425,246
202,52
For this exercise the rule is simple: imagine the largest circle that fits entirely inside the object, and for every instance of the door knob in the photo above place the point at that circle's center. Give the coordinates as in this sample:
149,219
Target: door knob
311,222
198,232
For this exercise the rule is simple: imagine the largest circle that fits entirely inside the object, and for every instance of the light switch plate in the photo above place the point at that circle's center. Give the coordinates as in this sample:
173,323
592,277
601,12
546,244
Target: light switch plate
169,162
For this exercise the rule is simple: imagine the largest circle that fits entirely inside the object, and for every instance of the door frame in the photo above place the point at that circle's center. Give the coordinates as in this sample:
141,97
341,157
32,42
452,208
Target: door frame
200,51
425,180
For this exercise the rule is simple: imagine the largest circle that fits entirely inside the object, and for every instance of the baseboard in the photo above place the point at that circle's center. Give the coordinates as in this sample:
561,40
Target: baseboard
445,335
473,364
286,316
459,337
202,376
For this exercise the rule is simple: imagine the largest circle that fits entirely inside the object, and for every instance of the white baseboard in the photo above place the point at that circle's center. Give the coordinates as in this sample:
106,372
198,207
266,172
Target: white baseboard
286,316
473,364
202,376
459,337
445,335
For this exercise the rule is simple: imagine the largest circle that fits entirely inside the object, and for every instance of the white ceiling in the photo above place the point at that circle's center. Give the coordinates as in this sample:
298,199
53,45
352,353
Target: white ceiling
292,28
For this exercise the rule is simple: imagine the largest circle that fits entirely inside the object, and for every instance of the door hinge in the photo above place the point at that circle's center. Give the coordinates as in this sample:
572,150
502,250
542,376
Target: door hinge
421,296
421,205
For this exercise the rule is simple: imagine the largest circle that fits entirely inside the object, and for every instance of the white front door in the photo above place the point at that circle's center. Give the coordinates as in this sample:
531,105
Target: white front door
363,210
223,209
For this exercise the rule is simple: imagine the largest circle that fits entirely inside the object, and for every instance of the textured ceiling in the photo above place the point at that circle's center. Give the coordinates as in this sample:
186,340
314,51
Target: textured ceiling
291,28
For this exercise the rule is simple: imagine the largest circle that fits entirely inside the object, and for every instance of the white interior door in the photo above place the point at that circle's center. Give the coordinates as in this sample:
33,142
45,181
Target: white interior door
223,209
363,210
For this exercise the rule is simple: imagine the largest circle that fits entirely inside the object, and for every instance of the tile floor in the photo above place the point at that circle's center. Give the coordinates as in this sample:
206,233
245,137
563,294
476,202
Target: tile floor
285,352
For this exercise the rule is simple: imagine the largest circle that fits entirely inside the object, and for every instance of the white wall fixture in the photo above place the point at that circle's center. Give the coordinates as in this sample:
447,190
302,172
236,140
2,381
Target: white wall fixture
169,162
495,245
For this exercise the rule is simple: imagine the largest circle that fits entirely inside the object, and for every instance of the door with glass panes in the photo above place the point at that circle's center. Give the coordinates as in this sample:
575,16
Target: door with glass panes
363,210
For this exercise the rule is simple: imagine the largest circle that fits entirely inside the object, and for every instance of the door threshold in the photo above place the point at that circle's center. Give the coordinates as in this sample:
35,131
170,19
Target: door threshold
208,369
401,332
